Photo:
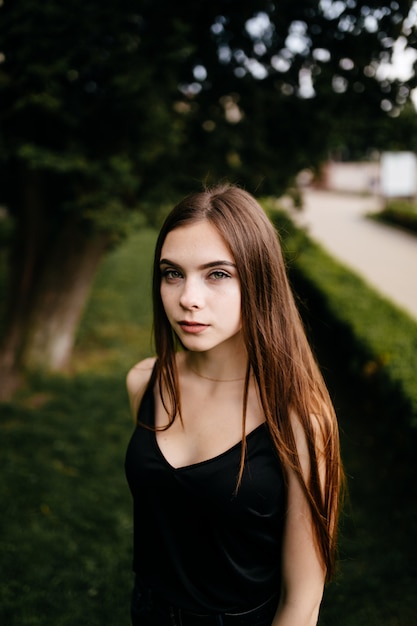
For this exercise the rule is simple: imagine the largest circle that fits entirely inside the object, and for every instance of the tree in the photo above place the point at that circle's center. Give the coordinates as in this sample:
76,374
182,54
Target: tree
109,108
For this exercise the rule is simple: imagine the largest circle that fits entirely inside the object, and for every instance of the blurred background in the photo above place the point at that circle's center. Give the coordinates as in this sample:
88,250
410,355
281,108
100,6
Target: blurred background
110,113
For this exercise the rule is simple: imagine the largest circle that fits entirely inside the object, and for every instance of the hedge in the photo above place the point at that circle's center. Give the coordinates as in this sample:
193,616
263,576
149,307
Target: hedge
377,340
400,213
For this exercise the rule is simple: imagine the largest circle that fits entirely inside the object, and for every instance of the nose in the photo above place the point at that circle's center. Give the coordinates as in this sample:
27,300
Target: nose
192,294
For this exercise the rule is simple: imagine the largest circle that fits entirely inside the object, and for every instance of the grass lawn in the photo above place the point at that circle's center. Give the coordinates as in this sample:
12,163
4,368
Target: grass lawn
66,528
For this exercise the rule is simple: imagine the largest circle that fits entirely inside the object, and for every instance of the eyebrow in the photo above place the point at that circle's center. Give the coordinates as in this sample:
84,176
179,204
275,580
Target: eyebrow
205,266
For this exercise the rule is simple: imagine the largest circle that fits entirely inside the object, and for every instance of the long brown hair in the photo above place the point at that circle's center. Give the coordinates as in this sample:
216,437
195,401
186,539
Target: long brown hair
279,355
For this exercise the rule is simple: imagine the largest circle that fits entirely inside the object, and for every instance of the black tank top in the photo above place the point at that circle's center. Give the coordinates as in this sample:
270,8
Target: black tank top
197,543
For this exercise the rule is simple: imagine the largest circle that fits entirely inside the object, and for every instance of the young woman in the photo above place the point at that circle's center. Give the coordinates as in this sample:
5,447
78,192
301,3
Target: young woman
234,464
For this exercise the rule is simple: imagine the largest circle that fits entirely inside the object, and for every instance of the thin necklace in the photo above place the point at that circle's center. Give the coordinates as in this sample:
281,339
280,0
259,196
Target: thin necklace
218,380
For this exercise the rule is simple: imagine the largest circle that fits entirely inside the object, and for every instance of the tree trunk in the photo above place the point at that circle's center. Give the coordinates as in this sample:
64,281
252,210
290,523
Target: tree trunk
53,263
60,300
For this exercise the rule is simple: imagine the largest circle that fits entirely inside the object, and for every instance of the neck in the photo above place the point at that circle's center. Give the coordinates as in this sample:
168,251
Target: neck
218,368
217,380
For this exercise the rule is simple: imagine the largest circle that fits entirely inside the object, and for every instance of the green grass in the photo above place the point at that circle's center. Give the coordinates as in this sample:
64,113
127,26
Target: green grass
66,527
115,328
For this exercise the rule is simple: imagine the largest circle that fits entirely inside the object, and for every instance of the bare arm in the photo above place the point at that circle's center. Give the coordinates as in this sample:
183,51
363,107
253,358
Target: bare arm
136,381
303,573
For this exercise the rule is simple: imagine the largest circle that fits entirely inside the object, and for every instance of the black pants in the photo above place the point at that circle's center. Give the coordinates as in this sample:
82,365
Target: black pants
149,610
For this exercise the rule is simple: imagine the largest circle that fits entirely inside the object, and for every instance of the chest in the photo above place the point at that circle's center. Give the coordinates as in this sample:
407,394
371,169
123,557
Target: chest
212,423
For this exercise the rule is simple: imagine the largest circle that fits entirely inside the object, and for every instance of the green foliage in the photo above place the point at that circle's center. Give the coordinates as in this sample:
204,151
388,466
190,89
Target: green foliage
83,108
399,213
120,103
6,230
377,340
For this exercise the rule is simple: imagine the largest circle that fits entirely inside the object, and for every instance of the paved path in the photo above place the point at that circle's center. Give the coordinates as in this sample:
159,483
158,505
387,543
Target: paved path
384,256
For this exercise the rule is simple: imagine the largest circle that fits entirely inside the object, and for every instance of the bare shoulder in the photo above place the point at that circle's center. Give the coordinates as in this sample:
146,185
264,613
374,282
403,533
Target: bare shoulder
137,380
140,373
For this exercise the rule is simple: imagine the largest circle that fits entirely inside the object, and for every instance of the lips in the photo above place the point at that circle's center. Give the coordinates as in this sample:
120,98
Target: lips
192,327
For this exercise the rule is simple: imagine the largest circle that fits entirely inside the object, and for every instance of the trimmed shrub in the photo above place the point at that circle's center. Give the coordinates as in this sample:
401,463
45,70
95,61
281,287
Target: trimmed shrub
376,340
398,213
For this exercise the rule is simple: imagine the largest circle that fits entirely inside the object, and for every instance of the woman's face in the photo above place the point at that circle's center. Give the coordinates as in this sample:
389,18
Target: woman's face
200,288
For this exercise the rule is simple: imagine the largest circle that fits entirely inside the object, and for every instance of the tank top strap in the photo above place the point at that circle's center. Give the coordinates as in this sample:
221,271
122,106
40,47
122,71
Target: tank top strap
146,411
